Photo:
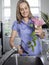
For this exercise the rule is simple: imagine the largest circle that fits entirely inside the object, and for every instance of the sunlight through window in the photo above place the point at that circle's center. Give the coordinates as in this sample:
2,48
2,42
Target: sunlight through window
34,7
7,3
7,12
33,3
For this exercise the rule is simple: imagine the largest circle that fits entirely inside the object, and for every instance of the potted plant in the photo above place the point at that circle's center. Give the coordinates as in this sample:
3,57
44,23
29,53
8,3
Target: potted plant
45,18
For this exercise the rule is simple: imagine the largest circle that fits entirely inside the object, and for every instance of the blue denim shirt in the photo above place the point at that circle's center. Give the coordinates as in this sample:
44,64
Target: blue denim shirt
24,31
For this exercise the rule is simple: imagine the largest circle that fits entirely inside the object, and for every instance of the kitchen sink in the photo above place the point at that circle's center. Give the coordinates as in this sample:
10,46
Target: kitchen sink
12,58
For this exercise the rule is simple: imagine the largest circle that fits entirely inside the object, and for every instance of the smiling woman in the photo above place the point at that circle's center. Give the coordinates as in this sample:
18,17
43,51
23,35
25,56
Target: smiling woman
22,27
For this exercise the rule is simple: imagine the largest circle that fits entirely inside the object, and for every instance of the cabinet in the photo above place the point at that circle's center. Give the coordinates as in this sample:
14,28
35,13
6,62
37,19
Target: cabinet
0,38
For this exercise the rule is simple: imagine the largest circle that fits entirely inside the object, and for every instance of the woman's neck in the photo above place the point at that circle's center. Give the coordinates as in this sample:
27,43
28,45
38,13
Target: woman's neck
26,20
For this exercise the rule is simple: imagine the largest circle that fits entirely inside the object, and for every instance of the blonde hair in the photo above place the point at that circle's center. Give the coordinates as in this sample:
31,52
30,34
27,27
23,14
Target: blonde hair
18,15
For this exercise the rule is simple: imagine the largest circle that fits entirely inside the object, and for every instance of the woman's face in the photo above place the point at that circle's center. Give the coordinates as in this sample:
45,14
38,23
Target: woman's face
24,10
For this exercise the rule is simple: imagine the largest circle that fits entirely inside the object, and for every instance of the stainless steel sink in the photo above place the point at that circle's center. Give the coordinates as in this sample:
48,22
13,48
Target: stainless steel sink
29,60
23,60
16,59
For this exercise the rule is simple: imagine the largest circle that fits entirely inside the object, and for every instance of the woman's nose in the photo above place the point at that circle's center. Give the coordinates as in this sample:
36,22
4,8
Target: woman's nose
24,10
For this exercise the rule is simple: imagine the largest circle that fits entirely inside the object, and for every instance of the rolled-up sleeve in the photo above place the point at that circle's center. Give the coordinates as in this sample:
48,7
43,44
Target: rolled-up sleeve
15,26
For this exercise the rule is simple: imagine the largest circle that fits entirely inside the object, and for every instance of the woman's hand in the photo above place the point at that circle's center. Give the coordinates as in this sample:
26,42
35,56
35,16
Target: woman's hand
20,51
40,32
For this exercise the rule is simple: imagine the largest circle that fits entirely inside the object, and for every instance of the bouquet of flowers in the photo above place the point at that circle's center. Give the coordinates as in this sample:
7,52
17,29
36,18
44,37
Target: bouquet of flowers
37,23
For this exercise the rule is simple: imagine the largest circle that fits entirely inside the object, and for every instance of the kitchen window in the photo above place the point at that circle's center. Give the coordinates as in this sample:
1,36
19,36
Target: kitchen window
6,16
35,7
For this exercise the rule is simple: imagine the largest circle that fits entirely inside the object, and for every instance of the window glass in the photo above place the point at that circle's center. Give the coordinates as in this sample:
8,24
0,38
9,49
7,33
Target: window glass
7,12
34,3
6,15
35,11
35,7
7,3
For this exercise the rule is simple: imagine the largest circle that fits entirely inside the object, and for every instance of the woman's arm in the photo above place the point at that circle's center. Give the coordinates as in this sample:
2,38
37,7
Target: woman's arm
13,35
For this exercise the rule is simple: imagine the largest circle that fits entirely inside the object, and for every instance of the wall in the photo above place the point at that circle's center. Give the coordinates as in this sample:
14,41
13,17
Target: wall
13,10
45,6
0,10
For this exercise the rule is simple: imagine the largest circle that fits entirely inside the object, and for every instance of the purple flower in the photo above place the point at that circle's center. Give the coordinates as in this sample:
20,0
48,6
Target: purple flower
38,22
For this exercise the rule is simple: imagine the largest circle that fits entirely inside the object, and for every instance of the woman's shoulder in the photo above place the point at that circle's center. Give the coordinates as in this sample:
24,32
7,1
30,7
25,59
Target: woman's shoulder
15,25
15,22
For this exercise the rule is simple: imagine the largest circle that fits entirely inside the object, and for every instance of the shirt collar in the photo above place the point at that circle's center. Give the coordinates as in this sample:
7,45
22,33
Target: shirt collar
30,21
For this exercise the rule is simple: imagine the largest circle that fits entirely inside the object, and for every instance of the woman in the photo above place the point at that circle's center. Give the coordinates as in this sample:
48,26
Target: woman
22,28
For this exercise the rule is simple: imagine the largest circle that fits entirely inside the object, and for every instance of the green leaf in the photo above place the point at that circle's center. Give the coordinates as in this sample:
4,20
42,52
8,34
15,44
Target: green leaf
45,18
29,43
31,25
32,47
33,34
34,42
35,37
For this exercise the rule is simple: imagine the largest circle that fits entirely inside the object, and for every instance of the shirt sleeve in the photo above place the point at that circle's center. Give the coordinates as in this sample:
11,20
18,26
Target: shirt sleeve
15,26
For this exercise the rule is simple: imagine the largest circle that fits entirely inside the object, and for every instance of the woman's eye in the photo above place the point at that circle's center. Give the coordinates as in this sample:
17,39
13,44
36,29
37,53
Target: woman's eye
21,9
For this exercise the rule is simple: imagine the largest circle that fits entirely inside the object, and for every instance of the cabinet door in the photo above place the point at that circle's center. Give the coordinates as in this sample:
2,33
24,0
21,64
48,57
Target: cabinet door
7,45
